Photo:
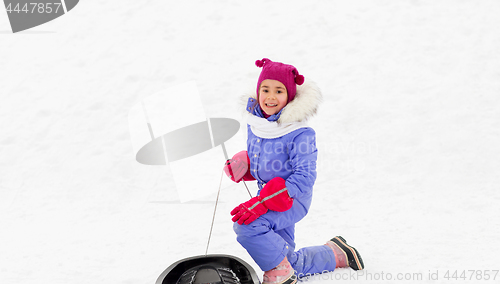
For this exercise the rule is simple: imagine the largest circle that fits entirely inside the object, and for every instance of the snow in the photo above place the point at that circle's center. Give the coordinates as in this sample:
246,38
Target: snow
408,134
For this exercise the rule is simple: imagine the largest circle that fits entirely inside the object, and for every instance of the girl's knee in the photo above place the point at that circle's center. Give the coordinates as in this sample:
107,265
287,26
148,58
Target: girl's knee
237,228
257,227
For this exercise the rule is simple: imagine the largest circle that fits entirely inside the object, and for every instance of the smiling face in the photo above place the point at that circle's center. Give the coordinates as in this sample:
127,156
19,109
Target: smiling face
272,96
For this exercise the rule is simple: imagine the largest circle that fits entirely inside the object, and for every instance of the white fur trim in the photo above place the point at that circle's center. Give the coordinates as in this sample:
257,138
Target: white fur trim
304,105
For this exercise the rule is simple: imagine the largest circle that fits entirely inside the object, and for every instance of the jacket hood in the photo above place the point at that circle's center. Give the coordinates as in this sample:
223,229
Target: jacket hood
304,106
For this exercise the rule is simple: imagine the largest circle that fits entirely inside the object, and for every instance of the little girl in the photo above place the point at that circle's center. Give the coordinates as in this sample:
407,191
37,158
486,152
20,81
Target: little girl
281,156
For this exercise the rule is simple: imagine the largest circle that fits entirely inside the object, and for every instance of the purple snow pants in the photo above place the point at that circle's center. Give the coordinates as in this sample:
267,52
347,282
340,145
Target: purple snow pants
271,237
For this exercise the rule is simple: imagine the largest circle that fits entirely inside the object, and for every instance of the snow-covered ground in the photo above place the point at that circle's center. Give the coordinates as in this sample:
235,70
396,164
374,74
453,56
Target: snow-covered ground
409,134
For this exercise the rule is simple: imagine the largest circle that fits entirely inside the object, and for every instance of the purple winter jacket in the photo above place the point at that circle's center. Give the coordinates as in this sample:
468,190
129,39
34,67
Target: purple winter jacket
291,156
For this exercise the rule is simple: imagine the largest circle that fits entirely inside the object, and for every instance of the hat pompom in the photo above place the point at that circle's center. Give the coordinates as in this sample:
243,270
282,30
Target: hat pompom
299,80
260,63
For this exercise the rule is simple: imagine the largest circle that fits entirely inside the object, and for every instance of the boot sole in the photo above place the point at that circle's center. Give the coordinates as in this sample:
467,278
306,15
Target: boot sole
353,256
291,280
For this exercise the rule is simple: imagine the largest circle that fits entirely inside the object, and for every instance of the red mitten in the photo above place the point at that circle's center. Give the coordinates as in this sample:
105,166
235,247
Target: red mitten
238,168
249,211
274,196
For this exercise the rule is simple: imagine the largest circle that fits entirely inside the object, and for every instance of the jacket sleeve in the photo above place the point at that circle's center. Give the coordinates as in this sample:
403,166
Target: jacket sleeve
303,157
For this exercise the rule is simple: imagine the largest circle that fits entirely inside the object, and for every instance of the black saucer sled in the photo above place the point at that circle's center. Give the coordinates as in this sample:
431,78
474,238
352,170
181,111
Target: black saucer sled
209,269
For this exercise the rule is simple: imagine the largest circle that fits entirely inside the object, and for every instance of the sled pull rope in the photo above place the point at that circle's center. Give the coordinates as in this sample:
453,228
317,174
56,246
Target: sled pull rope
215,210
247,189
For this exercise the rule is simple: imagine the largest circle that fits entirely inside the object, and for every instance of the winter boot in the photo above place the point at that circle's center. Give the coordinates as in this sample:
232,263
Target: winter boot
345,255
281,274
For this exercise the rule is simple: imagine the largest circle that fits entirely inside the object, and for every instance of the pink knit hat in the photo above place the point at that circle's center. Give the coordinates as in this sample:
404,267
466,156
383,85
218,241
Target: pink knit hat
284,73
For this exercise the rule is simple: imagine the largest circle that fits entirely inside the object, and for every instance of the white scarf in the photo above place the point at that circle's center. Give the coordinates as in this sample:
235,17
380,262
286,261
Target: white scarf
263,128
